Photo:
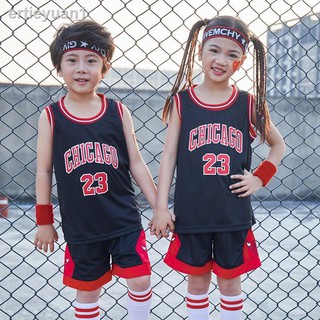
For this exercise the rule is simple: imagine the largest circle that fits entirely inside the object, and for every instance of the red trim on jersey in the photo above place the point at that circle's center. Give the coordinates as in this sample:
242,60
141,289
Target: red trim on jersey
120,109
252,131
95,118
50,117
214,107
251,260
172,261
177,100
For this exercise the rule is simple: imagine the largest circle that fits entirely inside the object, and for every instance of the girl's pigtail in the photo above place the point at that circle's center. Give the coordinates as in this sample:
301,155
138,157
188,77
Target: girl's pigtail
261,106
186,66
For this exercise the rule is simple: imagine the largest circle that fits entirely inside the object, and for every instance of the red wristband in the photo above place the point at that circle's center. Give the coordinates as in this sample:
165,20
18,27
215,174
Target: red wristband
265,172
44,214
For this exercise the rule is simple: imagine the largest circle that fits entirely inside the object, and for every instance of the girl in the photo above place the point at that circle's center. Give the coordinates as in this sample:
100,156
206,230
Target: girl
211,128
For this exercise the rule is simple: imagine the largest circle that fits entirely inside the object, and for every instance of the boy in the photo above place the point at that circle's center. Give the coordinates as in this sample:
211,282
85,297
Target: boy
90,142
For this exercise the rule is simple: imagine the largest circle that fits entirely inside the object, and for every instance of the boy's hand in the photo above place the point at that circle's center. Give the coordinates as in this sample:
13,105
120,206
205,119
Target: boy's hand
45,237
162,223
247,185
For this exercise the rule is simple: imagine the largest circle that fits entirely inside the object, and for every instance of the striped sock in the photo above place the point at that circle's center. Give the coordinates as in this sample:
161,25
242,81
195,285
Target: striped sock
197,306
139,304
231,307
87,311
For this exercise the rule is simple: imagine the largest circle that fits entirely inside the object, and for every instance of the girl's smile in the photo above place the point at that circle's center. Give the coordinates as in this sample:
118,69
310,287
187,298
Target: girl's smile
220,57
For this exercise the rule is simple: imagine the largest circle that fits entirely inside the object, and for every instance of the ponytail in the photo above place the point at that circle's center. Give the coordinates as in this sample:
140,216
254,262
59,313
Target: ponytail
260,77
186,66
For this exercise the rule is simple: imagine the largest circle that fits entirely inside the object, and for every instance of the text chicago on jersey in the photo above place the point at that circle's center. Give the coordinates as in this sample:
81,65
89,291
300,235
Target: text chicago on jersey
216,133
90,152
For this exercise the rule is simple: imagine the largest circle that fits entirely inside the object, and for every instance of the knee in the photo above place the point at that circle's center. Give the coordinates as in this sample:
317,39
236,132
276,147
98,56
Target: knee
88,296
229,287
199,284
139,284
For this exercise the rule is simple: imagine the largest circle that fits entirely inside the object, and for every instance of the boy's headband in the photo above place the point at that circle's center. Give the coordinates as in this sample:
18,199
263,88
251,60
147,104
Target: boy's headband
83,45
226,32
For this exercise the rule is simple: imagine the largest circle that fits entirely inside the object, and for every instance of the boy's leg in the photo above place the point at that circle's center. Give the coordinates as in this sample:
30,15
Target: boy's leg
87,305
231,299
87,269
139,298
197,296
131,262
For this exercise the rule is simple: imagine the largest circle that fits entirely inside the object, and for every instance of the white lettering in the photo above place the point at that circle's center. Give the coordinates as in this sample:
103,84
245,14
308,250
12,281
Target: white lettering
215,133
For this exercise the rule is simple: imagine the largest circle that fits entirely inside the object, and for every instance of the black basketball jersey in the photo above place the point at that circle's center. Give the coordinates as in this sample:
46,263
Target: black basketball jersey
215,142
91,164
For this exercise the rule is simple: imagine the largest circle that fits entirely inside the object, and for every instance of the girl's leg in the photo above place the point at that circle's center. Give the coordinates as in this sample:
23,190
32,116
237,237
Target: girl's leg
197,296
139,298
231,299
87,305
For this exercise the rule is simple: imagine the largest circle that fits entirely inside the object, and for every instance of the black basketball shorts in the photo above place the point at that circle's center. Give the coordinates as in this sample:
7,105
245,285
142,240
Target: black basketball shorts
227,254
90,266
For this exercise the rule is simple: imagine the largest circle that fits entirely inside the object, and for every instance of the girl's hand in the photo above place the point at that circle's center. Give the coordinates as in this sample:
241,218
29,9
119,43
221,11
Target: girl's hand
162,223
45,237
247,185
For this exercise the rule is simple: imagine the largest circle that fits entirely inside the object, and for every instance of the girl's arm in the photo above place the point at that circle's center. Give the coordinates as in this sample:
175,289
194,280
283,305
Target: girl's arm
138,168
46,234
250,183
162,220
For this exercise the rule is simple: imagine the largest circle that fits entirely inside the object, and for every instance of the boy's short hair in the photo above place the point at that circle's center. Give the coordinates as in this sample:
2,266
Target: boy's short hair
84,30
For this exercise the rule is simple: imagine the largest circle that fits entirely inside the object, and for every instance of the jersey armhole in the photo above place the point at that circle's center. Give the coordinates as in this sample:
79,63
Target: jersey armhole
177,101
50,117
119,106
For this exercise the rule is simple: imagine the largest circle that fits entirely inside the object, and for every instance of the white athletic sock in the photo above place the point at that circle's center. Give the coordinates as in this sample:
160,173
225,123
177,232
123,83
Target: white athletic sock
139,304
231,307
86,311
197,306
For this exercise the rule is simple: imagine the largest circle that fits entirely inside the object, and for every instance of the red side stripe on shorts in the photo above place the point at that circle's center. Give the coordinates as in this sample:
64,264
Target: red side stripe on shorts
197,304
140,298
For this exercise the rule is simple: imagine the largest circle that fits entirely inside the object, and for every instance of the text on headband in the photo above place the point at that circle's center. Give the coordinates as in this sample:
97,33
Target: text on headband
220,31
83,45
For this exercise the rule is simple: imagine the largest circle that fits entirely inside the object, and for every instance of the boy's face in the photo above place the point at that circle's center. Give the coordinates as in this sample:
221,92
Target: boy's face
82,70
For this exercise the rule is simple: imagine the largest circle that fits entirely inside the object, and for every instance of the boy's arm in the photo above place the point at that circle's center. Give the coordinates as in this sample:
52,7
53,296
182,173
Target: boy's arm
46,233
138,168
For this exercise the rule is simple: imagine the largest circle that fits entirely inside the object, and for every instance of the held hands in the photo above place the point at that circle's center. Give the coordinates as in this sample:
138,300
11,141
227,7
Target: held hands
45,237
247,185
162,223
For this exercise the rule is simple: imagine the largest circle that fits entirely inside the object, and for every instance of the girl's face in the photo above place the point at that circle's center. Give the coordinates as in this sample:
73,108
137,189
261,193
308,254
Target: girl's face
221,58
81,71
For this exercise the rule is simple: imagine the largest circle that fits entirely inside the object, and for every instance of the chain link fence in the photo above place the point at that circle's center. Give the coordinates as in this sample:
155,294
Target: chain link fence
150,36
